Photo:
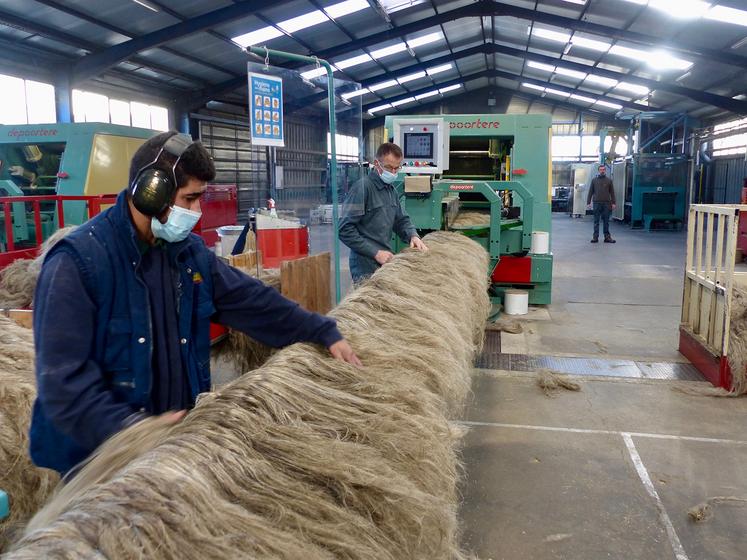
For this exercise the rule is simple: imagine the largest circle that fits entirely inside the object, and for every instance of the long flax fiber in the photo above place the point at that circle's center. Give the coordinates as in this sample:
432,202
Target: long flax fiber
306,457
18,279
27,486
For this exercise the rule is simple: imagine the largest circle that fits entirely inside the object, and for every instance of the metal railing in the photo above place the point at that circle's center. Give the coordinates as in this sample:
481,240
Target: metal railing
93,202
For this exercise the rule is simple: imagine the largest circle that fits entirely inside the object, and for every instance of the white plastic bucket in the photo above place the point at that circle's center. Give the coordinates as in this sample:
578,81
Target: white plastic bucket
515,302
228,237
540,243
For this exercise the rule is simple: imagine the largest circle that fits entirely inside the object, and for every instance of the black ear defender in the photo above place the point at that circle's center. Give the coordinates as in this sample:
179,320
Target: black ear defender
153,188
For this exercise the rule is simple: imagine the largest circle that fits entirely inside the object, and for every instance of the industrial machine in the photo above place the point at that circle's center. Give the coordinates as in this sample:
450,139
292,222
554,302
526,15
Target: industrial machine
80,159
651,189
488,177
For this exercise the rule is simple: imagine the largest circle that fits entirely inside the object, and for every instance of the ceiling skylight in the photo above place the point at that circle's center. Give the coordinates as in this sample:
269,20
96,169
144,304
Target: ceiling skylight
298,23
378,54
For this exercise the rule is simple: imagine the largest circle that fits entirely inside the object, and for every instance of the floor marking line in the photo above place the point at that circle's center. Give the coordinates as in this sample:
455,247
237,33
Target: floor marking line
674,540
603,432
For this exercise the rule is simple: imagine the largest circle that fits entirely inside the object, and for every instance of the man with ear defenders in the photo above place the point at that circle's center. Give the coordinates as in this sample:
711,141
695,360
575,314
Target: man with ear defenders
123,308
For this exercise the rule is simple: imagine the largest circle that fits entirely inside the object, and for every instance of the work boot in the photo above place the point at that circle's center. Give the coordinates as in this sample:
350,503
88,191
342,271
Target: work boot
595,240
608,239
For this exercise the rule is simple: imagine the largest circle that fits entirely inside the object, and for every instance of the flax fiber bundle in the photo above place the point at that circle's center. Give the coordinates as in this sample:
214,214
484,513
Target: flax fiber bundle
306,457
27,486
241,350
467,218
18,280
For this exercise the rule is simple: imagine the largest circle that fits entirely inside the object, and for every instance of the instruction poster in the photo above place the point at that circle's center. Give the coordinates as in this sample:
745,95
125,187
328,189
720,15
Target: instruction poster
266,109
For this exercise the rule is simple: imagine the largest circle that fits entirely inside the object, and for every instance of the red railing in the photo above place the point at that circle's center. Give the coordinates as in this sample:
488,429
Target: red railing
94,202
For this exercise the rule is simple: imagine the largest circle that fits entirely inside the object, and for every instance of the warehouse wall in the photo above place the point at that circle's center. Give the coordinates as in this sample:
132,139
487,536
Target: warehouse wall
724,179
251,168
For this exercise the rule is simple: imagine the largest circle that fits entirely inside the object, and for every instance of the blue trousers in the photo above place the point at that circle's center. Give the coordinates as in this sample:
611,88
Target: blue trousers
602,210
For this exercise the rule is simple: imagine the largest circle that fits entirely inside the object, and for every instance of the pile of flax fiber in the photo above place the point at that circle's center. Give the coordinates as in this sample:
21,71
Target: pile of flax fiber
305,457
471,218
240,350
27,486
18,279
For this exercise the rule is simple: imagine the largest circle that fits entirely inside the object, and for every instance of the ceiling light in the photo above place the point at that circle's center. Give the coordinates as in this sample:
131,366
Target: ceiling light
353,61
583,98
633,88
662,60
146,4
590,43
291,25
608,104
302,22
607,82
438,69
727,15
681,9
383,85
346,8
425,39
552,35
403,101
571,73
532,86
579,2
449,88
257,37
636,54
411,77
540,66
315,73
356,93
557,92
373,110
391,6
391,49
426,94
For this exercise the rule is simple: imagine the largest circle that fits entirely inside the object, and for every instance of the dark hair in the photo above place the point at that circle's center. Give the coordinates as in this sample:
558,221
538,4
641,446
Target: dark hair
601,165
388,148
195,162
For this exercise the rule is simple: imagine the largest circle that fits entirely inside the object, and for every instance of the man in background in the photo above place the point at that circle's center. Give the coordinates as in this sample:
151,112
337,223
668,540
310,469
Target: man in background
602,193
371,213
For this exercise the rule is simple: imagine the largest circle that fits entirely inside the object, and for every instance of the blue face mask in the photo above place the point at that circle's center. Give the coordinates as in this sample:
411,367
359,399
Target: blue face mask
178,225
387,176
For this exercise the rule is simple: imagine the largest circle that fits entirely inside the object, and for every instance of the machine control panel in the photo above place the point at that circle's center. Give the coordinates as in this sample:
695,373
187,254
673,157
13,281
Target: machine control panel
424,143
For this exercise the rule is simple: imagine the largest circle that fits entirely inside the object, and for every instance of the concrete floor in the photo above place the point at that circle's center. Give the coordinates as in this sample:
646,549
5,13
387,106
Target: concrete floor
553,478
620,300
610,471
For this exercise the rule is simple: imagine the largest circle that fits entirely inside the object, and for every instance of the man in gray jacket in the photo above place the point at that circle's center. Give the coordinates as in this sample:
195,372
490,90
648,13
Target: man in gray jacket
371,212
603,194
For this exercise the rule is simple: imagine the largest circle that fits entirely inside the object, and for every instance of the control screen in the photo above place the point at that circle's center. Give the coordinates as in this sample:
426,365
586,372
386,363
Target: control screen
418,145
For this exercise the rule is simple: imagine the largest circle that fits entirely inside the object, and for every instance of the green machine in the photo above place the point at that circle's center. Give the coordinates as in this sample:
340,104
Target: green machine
652,189
73,159
488,177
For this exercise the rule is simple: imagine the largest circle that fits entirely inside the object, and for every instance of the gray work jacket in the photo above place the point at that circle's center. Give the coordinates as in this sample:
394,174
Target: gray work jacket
371,212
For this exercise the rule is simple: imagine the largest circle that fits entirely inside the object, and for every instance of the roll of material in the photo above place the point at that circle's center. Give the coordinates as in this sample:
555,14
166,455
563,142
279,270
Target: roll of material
540,243
516,302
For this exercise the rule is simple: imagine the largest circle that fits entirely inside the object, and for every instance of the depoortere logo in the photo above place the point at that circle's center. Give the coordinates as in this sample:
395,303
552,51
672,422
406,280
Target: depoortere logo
479,123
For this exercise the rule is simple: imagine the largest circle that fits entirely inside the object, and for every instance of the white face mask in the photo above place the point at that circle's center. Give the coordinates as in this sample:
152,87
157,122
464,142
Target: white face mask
387,176
178,225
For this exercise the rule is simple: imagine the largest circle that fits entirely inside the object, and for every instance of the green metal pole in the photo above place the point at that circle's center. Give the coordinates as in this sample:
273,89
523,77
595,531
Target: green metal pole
260,51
